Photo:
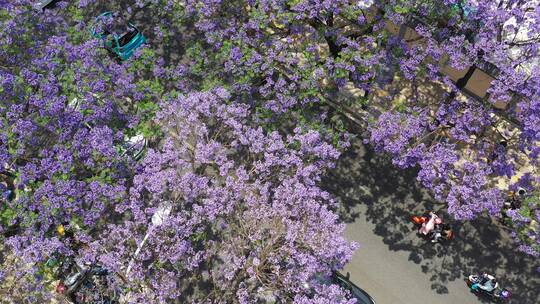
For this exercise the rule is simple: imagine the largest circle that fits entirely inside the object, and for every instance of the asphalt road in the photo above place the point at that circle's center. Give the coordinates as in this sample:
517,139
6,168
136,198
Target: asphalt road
393,265
392,276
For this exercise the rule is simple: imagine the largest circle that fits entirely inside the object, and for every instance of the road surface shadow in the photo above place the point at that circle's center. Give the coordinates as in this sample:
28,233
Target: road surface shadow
392,196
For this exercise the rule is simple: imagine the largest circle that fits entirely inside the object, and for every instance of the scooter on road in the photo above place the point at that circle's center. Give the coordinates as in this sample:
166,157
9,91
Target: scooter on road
479,284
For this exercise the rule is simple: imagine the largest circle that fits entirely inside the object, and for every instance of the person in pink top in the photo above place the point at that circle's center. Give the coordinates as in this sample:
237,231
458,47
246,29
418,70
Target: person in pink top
429,226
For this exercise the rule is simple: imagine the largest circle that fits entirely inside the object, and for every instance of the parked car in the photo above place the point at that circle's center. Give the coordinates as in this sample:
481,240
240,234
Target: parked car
344,282
85,283
134,147
43,4
121,41
358,293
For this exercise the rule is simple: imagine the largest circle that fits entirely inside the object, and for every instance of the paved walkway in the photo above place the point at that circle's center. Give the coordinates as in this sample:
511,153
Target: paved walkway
393,265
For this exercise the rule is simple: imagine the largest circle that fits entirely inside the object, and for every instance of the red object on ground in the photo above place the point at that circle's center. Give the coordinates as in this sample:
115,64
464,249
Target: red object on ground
419,219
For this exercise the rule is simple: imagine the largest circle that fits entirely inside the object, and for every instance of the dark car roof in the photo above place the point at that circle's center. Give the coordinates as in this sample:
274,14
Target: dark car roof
41,4
362,296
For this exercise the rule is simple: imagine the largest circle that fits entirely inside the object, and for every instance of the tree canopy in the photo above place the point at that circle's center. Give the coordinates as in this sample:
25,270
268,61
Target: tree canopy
240,107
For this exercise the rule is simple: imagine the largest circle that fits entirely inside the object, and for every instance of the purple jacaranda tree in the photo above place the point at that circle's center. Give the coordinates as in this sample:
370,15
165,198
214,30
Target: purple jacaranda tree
245,220
294,56
245,217
239,185
463,144
66,111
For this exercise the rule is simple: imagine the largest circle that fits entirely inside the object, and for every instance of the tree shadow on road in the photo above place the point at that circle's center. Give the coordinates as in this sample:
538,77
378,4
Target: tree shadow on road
392,196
